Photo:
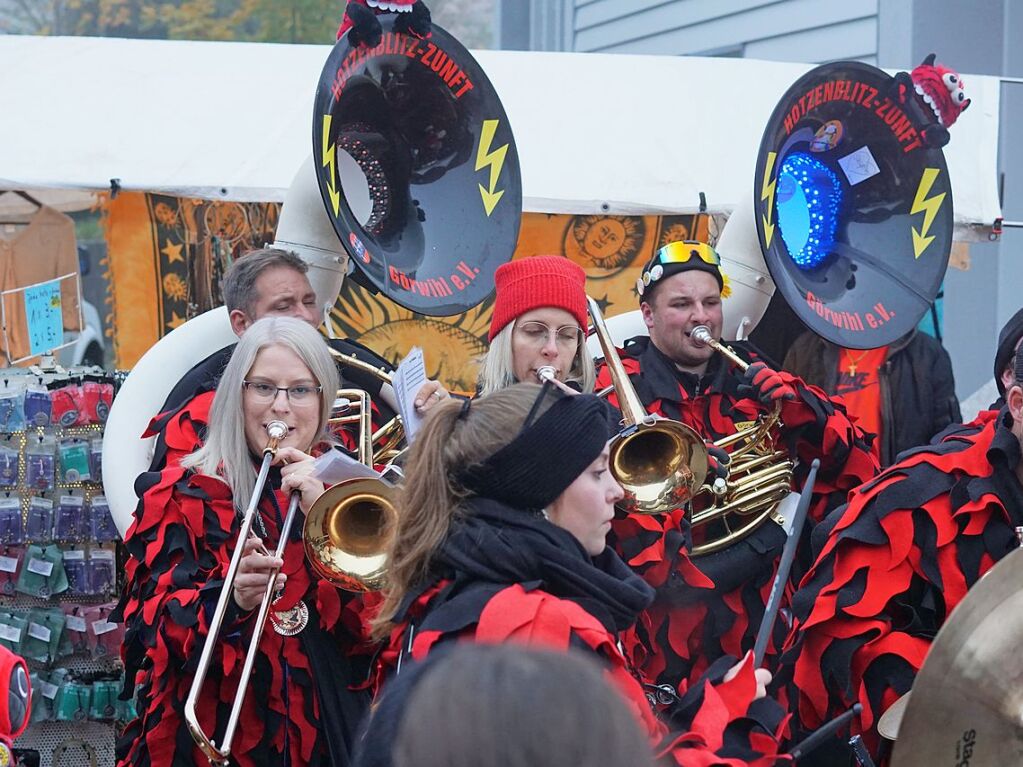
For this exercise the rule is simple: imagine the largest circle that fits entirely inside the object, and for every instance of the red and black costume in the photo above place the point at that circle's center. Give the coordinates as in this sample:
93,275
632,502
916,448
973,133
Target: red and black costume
894,563
299,709
711,606
505,574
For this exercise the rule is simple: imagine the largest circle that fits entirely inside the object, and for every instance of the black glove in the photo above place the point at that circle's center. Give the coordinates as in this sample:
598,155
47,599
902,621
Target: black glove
717,462
767,385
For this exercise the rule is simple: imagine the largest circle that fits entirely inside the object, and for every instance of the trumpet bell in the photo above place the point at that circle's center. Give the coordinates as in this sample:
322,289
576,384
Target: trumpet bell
660,464
347,533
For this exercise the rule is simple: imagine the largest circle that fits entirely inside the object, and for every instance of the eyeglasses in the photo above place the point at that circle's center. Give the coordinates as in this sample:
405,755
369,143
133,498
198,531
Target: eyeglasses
263,392
685,250
538,334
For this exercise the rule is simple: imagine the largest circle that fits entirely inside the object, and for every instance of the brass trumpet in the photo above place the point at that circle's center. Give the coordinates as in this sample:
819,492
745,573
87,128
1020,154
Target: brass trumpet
218,755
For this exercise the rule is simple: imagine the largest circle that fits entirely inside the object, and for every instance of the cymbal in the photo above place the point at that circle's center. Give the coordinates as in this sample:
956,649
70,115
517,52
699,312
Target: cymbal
967,701
891,720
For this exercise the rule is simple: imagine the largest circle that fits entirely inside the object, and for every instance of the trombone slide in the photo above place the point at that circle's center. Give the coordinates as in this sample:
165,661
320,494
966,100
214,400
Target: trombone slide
218,755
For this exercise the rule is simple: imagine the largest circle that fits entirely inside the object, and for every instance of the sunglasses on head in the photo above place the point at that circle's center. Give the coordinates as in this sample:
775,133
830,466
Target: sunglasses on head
680,252
686,250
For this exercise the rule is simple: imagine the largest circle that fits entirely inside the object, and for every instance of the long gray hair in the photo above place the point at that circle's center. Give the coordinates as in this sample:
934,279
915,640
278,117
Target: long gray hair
497,367
225,452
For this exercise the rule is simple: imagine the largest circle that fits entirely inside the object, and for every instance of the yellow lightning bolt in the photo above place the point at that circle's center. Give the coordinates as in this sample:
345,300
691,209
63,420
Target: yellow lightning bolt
495,160
929,207
767,193
329,163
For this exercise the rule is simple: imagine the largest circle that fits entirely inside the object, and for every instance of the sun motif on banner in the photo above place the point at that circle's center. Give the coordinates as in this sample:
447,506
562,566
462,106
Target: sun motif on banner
606,242
175,287
452,345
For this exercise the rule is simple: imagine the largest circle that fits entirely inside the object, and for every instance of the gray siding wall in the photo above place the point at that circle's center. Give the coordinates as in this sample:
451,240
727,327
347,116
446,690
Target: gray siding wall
784,30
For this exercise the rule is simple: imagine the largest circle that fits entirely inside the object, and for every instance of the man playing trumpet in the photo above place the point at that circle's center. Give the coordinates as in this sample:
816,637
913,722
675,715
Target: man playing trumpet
711,605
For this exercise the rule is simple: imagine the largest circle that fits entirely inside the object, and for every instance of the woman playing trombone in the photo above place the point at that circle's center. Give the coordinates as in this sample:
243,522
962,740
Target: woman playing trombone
539,321
299,710
501,537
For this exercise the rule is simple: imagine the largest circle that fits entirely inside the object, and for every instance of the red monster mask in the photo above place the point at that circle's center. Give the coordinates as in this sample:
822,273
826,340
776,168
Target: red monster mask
378,6
941,89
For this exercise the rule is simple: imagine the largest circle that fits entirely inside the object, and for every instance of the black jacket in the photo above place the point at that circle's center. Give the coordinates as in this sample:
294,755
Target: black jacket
917,387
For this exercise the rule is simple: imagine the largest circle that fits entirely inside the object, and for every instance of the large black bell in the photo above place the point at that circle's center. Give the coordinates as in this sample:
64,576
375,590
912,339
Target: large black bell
853,209
416,163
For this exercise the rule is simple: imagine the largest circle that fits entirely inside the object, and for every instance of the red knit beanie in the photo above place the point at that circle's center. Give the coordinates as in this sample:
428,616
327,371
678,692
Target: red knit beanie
530,283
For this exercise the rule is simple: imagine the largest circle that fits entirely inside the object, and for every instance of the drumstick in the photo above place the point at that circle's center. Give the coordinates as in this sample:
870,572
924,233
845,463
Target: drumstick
788,554
821,734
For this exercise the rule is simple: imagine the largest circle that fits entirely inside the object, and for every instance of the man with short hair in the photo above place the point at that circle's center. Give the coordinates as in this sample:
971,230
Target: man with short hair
711,605
1009,339
265,283
894,563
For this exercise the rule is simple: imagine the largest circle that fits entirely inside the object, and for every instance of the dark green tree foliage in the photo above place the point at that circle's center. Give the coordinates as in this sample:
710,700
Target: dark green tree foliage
278,21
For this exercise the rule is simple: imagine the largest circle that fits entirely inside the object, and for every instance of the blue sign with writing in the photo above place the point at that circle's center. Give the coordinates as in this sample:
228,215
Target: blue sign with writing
44,316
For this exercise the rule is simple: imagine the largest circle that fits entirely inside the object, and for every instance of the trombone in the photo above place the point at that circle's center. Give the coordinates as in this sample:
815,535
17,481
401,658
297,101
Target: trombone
349,527
660,463
218,755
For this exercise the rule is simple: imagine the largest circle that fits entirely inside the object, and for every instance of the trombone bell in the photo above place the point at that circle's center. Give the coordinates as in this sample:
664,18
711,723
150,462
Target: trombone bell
660,465
348,530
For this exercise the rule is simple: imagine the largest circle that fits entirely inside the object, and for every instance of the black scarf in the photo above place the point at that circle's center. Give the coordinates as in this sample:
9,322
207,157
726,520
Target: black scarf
496,544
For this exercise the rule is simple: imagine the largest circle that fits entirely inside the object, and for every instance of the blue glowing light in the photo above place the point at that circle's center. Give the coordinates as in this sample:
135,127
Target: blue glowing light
809,198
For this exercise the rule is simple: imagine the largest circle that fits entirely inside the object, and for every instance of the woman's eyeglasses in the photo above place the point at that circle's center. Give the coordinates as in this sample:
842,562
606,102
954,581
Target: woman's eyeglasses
538,334
266,393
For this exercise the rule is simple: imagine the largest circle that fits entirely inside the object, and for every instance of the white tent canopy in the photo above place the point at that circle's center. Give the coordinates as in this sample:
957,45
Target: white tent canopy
595,133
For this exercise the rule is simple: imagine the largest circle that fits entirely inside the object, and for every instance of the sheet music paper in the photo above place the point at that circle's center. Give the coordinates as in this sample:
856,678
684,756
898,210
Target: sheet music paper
334,466
407,380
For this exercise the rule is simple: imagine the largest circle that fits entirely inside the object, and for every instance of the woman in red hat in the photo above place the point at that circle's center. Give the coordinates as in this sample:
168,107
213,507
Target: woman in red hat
539,321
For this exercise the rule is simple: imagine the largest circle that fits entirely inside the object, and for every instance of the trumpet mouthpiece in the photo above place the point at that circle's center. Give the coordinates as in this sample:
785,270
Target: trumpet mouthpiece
546,373
277,430
701,334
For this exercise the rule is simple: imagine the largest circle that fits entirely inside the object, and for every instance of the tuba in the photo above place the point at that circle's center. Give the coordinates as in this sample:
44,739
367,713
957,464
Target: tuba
413,188
418,172
851,214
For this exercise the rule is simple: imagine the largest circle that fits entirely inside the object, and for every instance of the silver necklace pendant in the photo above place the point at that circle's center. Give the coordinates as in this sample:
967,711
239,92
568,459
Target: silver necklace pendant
290,622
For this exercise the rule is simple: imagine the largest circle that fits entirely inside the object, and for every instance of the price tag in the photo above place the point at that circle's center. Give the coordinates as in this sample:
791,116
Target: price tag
8,564
49,690
40,567
75,623
102,626
10,633
44,316
39,632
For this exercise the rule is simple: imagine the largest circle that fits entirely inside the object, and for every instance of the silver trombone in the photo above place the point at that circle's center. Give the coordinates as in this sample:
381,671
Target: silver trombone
218,755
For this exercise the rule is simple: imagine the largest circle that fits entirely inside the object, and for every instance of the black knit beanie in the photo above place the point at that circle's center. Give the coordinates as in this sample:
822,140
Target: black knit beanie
547,455
1007,340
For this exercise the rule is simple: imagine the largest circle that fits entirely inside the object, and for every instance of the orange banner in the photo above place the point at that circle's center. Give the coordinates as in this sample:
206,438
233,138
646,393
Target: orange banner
167,256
